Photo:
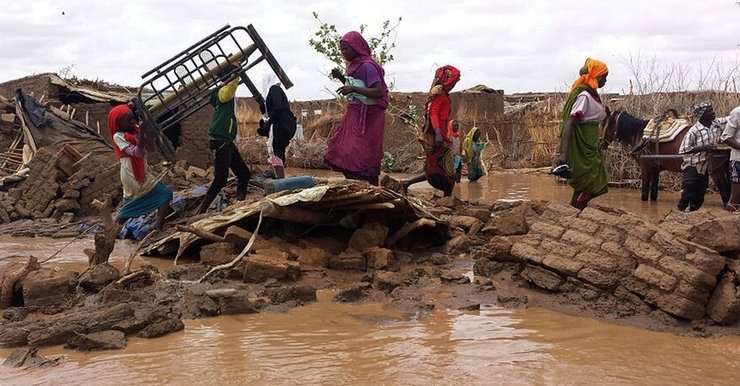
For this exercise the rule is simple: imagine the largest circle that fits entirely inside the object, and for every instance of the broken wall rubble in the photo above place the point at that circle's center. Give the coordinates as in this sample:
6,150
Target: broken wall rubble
619,255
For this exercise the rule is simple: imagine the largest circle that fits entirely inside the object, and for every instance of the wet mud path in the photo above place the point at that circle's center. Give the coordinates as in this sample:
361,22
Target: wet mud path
328,342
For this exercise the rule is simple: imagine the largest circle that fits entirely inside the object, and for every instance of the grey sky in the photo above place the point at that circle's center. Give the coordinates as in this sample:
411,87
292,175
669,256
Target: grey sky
518,46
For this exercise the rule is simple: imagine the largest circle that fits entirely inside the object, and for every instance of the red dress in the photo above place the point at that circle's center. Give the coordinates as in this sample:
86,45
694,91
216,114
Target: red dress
439,168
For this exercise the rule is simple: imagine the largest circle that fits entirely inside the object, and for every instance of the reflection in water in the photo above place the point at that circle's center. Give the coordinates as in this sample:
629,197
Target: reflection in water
520,186
339,344
68,252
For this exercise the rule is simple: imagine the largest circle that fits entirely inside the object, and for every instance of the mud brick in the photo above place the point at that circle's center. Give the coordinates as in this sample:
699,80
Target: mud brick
710,261
724,306
693,292
643,233
597,261
4,216
259,268
610,233
567,266
498,249
599,278
542,278
546,229
533,239
48,288
348,260
458,244
527,252
655,277
585,226
713,233
615,249
237,303
669,243
558,248
644,252
598,216
582,239
217,253
629,220
237,235
676,305
381,259
635,285
690,274
562,209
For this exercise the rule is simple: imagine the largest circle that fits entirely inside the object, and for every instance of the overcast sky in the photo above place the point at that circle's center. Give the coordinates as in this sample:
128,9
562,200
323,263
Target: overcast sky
518,46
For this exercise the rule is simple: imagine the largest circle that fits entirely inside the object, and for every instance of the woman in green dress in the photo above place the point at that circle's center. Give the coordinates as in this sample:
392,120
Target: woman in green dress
579,135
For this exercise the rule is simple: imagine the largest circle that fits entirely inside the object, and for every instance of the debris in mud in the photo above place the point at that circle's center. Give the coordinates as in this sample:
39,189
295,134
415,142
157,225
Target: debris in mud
103,340
30,358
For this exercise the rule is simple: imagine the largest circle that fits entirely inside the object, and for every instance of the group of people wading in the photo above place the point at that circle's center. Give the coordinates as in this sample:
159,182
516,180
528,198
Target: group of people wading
356,146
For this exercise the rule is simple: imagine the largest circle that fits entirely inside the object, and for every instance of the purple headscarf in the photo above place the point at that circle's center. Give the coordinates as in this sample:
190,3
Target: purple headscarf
355,40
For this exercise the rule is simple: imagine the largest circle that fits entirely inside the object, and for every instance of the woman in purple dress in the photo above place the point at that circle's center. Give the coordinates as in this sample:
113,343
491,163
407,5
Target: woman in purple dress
356,148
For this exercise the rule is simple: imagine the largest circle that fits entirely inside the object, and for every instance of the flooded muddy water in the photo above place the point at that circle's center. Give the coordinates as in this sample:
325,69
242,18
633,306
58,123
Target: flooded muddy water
325,342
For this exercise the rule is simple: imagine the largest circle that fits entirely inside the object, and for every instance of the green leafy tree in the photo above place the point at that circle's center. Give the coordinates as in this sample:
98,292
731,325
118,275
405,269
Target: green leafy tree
326,41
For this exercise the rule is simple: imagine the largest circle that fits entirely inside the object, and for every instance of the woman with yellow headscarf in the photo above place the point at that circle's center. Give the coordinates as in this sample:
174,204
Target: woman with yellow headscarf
579,135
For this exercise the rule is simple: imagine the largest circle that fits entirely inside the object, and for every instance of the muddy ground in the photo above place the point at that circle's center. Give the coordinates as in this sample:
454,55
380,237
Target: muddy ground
678,274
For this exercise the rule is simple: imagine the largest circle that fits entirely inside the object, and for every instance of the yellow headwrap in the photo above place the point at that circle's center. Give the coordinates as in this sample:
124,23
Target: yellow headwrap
589,74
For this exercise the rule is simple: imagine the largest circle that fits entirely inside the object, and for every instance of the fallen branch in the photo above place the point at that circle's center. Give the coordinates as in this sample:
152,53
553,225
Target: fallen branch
105,240
408,228
132,256
8,285
236,260
134,276
200,233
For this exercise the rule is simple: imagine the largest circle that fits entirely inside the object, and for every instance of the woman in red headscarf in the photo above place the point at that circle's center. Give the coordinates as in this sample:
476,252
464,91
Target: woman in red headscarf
142,193
439,169
356,148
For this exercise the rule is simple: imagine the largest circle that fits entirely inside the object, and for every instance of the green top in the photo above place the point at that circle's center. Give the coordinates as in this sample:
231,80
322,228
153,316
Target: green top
223,121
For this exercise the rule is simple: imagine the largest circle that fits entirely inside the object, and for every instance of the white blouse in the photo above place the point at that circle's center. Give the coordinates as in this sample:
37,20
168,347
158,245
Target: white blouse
587,109
132,189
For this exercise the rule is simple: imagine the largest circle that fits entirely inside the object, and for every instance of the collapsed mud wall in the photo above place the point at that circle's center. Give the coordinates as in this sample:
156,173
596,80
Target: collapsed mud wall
614,259
193,140
35,85
49,192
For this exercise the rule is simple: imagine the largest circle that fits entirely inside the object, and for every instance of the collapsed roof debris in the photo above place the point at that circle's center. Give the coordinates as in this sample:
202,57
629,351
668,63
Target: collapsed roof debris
338,204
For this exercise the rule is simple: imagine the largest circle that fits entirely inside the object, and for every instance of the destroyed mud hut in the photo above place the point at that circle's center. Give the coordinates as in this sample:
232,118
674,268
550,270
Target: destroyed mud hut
55,152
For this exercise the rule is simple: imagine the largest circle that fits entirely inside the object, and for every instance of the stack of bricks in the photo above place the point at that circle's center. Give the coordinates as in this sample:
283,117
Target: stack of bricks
194,139
619,252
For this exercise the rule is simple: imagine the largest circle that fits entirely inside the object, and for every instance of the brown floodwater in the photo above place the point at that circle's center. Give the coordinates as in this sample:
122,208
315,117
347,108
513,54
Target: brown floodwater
333,343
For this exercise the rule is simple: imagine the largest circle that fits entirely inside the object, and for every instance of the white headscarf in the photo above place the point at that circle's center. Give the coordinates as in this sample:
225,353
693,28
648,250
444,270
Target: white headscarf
268,80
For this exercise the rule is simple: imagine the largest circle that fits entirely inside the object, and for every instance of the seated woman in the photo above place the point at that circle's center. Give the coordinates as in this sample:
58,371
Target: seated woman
142,193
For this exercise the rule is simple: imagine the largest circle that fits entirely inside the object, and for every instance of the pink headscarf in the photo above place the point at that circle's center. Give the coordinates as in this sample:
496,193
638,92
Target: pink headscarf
355,40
